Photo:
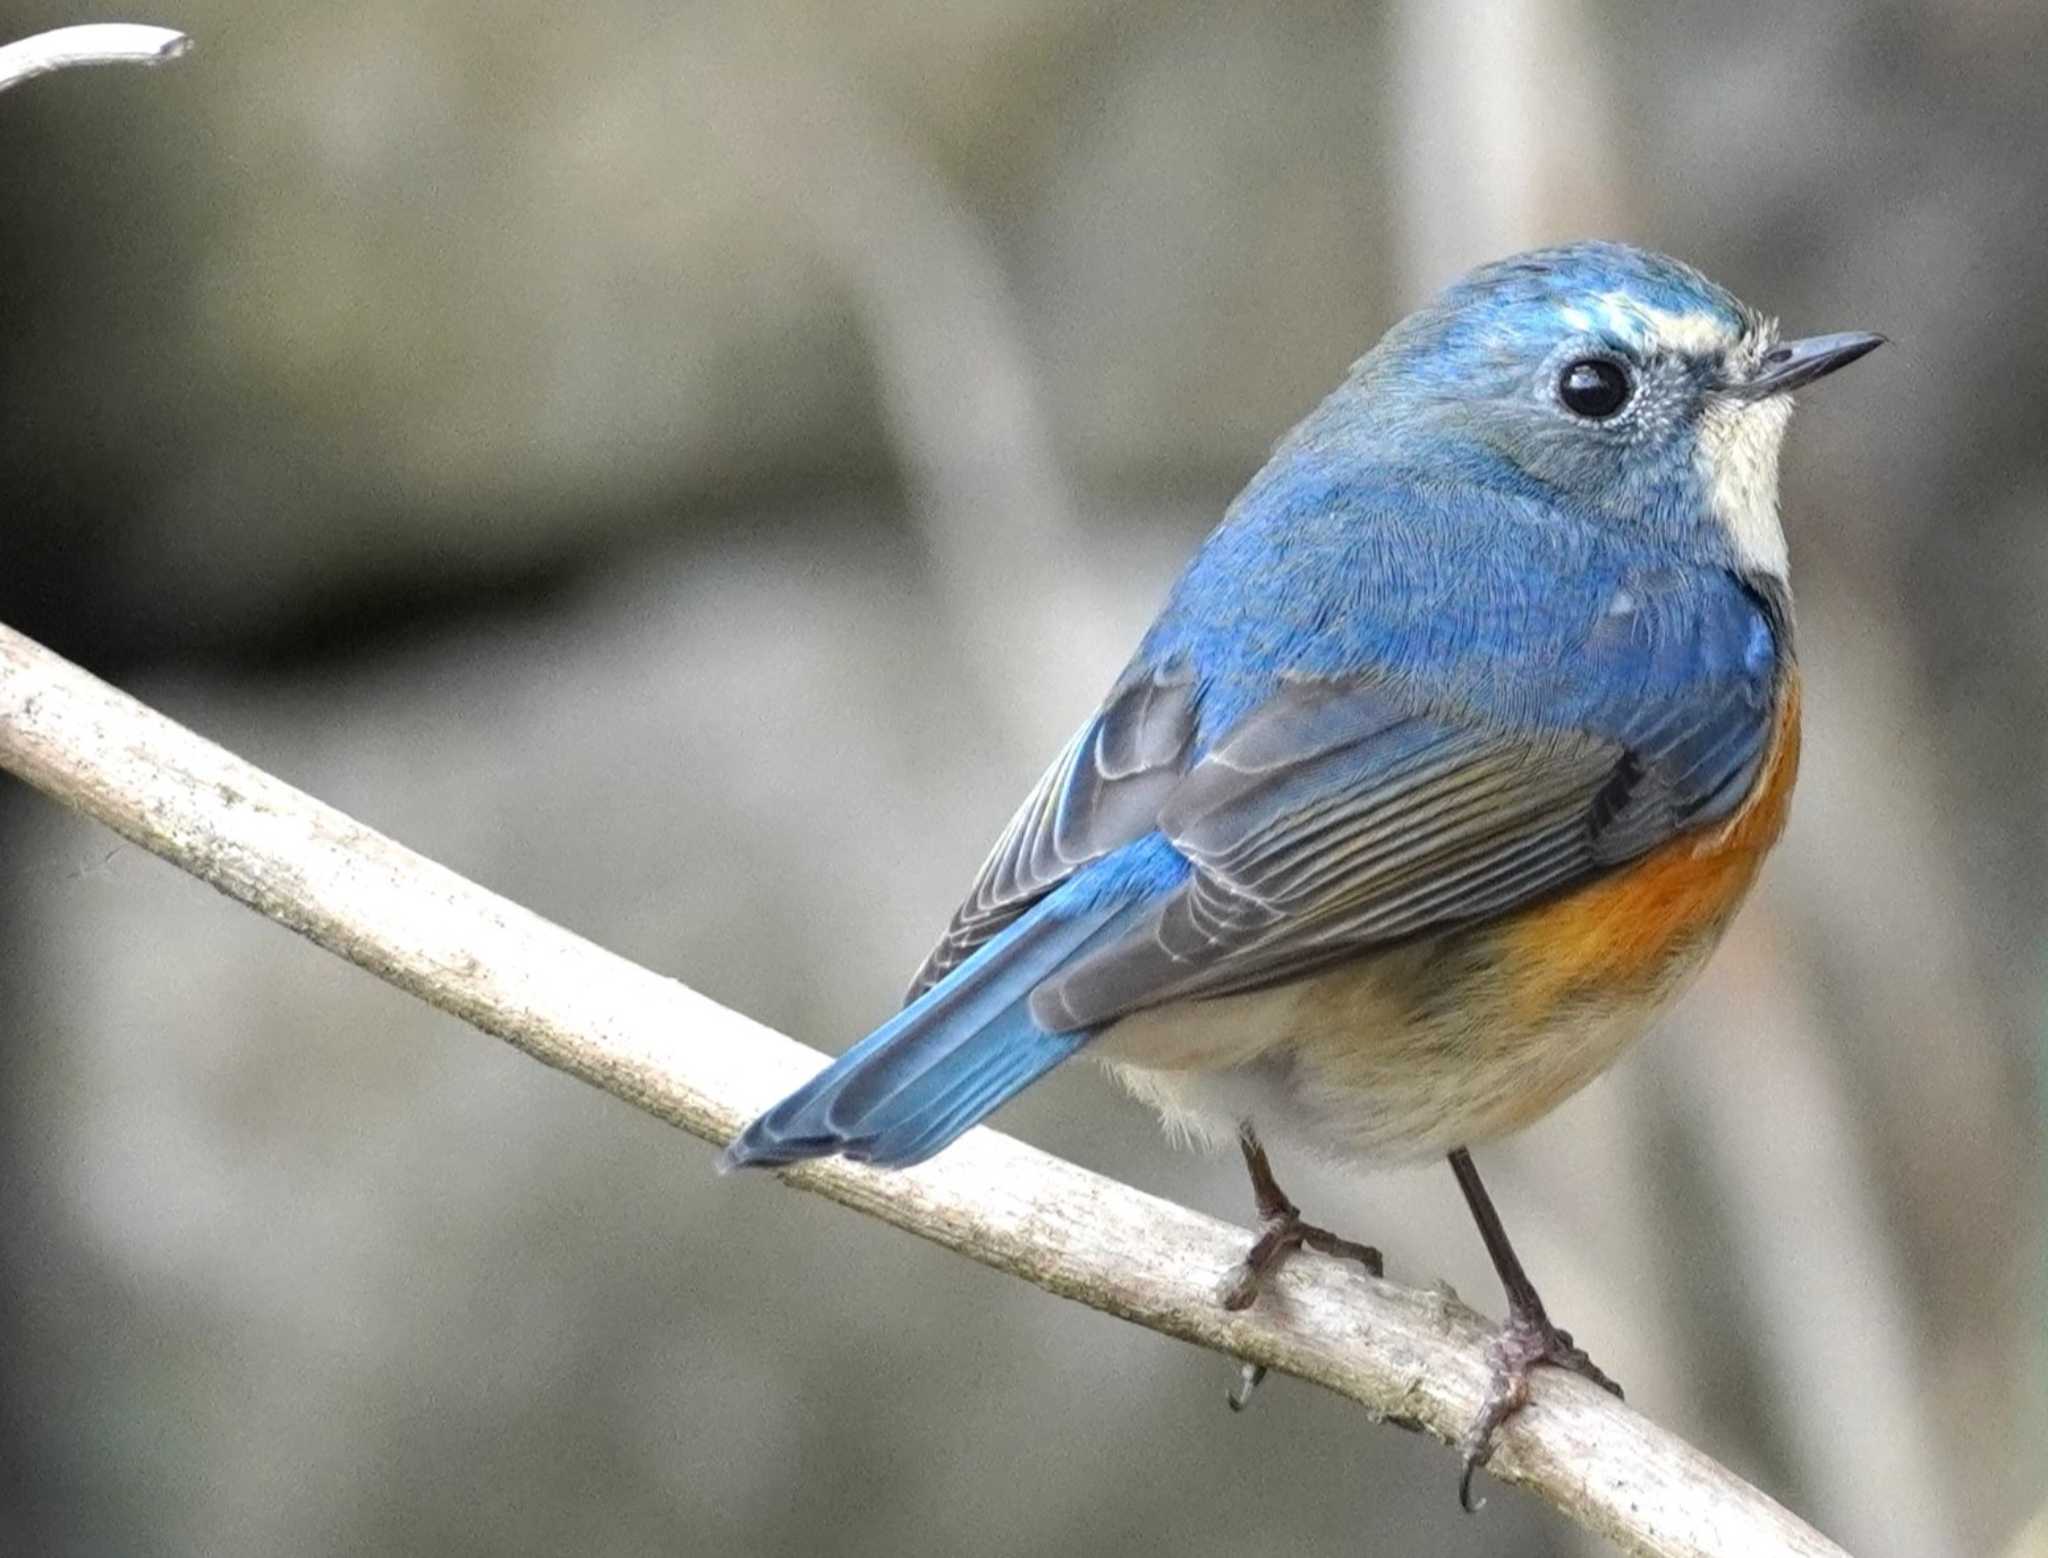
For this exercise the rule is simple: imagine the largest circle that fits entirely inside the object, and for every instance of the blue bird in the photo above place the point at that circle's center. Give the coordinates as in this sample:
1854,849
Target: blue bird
1447,762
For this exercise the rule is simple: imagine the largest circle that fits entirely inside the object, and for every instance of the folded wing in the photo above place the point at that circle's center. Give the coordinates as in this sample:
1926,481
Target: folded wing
1342,816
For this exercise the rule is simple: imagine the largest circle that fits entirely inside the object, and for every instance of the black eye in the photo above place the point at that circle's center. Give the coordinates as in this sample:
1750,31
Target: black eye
1593,387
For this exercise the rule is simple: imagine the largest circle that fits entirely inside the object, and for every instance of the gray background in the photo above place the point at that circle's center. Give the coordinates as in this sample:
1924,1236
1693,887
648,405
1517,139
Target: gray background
687,466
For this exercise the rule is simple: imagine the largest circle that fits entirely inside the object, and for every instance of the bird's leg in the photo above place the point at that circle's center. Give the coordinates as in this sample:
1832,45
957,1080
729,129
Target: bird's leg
1281,1233
1526,1339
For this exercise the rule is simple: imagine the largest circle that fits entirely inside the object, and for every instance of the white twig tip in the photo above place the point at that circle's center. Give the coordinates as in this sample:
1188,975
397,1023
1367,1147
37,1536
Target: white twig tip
98,43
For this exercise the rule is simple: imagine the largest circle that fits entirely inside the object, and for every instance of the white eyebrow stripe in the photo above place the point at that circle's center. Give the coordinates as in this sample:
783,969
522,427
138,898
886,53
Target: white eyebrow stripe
1689,332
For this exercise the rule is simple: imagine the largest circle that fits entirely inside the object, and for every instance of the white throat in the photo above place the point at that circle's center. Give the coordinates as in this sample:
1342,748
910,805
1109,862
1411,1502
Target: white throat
1738,460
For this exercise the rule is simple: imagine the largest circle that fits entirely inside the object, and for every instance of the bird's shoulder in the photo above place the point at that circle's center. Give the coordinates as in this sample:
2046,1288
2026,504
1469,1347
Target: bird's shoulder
1491,600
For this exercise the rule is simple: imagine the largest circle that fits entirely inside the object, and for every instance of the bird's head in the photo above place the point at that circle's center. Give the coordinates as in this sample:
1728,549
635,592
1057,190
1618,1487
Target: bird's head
1622,380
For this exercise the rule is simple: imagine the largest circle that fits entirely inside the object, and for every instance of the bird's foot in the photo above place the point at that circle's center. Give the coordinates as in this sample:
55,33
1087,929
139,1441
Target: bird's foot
1281,1233
1279,1237
1526,1340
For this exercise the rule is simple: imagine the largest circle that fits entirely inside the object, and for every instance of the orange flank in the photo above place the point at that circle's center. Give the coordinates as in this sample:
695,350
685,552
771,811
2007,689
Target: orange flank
1628,930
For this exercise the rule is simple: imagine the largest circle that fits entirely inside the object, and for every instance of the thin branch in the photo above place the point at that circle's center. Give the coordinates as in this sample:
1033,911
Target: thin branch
100,43
1399,1352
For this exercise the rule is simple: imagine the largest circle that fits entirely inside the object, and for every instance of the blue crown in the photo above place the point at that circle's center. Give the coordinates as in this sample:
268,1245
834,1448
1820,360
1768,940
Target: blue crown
1634,299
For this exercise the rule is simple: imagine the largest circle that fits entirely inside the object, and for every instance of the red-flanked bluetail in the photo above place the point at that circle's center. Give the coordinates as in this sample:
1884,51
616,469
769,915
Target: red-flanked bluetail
1446,764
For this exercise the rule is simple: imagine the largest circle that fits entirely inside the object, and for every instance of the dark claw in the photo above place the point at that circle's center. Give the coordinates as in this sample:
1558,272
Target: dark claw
1524,1341
1281,1233
1281,1237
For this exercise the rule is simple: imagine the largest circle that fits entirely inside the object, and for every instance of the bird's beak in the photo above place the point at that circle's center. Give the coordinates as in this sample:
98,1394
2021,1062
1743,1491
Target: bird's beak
1789,364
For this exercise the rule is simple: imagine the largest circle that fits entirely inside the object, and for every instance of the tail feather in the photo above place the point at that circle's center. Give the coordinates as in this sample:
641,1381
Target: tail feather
940,1066
1029,1052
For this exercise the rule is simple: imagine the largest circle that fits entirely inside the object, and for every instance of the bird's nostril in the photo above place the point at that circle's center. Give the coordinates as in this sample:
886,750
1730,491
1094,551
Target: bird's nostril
1776,355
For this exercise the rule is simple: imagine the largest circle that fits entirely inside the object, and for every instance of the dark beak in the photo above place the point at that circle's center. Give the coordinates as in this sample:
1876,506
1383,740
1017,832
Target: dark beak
1790,364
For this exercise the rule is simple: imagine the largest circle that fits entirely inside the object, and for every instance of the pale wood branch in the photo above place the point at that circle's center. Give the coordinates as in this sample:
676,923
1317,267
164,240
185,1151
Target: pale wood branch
97,43
648,1040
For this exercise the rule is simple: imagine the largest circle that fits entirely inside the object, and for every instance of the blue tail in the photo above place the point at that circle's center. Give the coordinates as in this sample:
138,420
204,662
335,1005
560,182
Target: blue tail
943,1064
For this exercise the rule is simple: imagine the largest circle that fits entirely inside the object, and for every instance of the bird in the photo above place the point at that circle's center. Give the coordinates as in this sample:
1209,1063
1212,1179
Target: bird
1443,768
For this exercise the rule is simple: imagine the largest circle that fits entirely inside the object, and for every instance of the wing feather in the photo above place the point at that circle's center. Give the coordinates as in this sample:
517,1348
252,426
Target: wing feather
1102,792
1344,812
1427,819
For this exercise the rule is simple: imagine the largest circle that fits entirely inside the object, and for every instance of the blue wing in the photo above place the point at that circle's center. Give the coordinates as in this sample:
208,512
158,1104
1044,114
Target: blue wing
1275,786
1339,816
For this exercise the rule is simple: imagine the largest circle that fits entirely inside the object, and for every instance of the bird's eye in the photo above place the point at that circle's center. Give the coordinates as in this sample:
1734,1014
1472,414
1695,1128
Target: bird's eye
1593,387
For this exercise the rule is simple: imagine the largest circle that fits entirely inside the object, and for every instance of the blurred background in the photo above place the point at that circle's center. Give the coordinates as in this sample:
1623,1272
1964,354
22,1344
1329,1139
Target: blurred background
625,450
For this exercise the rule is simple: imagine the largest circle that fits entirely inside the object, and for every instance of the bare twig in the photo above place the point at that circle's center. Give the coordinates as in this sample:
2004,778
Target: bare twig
648,1040
102,43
